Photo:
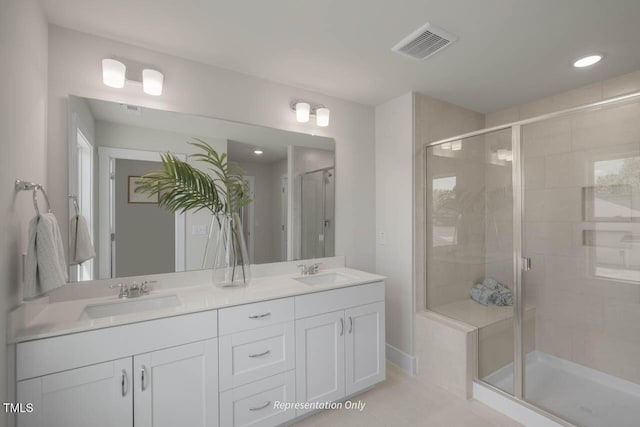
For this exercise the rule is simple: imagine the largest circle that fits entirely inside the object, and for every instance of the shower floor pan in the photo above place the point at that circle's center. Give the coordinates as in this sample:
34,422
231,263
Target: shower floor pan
581,395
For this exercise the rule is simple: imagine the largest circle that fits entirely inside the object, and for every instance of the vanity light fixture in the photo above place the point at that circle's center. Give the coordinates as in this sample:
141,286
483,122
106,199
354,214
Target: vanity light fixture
113,73
456,145
116,72
587,61
257,152
322,116
446,146
152,81
305,110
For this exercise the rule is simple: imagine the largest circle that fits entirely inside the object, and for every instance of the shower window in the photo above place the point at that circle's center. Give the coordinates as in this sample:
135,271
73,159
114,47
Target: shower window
445,215
613,204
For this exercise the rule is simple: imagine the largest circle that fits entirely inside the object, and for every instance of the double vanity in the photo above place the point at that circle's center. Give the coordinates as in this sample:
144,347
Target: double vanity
188,353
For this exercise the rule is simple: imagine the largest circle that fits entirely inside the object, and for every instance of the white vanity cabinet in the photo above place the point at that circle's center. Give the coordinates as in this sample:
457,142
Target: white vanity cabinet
158,373
97,395
341,352
177,386
257,363
226,367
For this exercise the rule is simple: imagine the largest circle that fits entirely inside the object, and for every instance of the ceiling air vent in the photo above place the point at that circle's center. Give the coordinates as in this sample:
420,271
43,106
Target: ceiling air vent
424,42
132,109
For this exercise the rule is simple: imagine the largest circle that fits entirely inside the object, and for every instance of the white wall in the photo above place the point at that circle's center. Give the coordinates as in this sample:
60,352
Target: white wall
195,88
394,215
23,118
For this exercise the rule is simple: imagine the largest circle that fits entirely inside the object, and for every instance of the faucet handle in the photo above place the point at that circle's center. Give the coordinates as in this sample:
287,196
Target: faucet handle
144,288
313,268
124,289
303,269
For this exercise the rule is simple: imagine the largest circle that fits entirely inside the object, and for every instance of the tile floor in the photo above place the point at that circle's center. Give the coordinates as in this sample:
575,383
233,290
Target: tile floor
403,400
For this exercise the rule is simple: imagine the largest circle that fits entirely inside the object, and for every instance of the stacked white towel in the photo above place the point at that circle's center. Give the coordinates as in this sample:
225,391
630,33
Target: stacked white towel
81,247
45,265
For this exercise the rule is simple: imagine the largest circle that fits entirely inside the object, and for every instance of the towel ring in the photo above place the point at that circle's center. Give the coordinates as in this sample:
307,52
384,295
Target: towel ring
25,186
37,188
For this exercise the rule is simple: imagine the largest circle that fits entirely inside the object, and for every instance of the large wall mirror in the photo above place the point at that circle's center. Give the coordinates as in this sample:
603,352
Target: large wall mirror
291,180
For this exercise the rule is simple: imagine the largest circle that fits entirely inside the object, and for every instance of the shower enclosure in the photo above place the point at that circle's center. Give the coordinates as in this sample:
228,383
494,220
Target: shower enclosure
549,207
317,214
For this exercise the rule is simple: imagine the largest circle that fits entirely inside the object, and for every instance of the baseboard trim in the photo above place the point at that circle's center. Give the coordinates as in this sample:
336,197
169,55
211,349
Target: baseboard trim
401,359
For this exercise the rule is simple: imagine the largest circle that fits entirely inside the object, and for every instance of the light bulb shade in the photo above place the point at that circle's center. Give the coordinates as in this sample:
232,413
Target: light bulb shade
152,81
113,73
322,116
302,111
456,145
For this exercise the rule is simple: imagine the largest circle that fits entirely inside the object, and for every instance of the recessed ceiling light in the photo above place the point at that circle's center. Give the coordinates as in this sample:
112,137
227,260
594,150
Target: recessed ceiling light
258,152
587,61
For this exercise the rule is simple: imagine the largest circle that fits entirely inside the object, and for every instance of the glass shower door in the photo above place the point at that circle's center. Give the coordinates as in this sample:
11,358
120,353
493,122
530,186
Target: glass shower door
470,245
581,229
317,214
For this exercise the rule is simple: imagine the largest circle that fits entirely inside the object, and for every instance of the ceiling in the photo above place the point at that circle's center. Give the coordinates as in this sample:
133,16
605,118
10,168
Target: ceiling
508,52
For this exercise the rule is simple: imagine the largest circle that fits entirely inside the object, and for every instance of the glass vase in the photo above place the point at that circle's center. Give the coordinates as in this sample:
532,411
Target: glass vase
231,265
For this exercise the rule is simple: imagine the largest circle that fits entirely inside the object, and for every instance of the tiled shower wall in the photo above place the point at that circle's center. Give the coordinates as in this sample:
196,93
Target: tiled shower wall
580,315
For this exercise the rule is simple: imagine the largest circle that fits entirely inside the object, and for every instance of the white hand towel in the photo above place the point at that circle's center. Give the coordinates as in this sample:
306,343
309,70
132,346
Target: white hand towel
81,247
45,266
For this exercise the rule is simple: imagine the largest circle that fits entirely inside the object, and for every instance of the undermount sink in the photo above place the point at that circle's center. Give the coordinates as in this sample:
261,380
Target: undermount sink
324,279
129,306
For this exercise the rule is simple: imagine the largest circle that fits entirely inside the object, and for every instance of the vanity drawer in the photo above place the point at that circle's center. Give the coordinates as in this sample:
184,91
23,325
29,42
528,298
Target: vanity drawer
338,299
256,315
253,404
252,355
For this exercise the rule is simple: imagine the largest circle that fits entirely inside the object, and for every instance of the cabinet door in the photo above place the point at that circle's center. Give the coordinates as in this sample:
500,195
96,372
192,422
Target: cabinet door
177,386
97,395
320,358
364,346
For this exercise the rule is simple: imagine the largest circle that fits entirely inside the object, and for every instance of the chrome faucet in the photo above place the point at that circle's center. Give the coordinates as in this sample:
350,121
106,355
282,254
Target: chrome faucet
134,290
306,270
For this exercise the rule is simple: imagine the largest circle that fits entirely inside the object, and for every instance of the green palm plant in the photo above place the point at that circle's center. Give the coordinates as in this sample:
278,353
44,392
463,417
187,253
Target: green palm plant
180,186
219,188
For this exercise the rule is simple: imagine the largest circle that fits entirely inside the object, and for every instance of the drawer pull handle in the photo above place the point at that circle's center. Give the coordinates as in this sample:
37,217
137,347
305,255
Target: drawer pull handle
259,316
260,354
257,408
341,326
124,384
350,324
143,377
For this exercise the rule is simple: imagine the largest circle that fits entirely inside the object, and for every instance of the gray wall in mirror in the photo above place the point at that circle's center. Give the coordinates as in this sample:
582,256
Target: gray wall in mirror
292,184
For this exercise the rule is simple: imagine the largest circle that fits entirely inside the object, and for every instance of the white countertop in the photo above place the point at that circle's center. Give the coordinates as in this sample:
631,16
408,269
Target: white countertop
36,320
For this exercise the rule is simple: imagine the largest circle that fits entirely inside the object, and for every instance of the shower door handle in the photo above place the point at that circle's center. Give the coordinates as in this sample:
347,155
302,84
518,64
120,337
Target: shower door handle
526,264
